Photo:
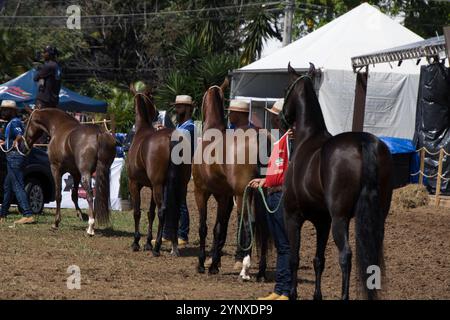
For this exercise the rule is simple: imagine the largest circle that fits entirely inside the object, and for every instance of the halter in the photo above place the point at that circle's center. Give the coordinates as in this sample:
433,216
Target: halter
286,96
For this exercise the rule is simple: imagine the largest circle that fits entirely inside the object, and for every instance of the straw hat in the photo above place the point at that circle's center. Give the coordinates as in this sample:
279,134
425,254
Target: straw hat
8,104
277,107
183,99
239,106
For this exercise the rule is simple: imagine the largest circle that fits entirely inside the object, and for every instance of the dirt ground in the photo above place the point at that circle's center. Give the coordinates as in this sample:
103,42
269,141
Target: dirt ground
34,261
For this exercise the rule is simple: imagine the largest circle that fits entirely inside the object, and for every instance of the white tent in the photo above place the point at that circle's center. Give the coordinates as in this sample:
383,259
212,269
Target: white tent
392,90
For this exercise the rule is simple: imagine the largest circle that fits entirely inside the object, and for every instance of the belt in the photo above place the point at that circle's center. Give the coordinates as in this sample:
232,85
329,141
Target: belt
271,190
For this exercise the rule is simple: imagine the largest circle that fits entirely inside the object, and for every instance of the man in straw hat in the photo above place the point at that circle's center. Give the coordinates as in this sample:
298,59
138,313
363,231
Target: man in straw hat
184,107
238,114
14,181
273,183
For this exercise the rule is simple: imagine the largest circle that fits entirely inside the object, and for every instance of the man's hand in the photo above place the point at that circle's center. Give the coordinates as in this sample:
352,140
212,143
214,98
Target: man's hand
255,183
2,142
291,133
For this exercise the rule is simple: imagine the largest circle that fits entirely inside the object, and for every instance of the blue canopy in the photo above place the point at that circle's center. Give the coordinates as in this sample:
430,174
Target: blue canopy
24,89
399,145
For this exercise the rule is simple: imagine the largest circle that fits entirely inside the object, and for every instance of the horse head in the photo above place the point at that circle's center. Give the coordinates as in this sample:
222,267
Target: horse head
144,105
301,103
34,129
213,106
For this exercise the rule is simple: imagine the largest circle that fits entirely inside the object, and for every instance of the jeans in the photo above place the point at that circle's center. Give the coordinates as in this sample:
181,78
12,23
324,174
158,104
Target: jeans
14,183
183,228
277,229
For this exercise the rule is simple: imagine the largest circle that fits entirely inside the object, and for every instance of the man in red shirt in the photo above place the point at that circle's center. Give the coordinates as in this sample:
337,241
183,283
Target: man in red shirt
277,167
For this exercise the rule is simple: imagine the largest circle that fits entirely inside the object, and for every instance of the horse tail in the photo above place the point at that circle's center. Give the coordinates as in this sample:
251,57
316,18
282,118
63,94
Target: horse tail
263,237
105,157
369,219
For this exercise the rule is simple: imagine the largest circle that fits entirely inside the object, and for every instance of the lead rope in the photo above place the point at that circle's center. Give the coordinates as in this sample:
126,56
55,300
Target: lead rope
246,203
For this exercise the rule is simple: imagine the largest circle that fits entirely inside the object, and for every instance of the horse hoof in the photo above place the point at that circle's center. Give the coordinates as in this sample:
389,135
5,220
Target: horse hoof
148,247
156,253
261,279
135,247
213,270
201,269
244,278
175,253
54,227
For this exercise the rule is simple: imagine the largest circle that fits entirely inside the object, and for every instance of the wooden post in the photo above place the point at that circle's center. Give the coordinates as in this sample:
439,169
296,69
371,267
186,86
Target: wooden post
439,180
360,101
447,39
422,166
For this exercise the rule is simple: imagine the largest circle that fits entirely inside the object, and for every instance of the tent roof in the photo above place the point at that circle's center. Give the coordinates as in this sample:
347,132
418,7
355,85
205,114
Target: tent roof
361,30
425,48
23,89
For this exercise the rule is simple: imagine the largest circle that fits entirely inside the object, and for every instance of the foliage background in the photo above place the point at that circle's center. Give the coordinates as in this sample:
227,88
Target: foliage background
175,46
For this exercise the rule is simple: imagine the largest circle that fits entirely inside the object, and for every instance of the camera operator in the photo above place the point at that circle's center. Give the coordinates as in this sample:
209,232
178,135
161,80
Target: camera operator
49,80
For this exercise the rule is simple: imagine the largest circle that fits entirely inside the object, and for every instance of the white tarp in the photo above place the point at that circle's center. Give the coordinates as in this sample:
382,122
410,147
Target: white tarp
392,90
66,201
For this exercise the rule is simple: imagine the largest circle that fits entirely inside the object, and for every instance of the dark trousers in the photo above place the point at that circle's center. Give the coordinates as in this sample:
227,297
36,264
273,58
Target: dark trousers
277,229
14,184
183,228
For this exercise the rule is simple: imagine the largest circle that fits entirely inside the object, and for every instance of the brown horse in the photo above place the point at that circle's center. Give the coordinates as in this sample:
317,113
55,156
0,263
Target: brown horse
329,181
149,164
81,150
222,180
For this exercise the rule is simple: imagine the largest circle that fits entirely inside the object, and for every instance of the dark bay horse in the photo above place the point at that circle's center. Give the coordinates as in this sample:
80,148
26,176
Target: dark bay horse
149,164
330,180
81,150
222,180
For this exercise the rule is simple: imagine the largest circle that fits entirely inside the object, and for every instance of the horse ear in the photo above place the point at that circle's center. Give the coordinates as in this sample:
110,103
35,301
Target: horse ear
312,70
148,91
292,73
225,84
132,88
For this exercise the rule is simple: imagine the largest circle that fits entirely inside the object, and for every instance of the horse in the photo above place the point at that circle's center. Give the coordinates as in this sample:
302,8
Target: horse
223,181
330,180
149,164
81,150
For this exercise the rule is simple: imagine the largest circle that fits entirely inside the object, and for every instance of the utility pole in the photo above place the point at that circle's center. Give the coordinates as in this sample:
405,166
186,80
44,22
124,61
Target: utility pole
288,18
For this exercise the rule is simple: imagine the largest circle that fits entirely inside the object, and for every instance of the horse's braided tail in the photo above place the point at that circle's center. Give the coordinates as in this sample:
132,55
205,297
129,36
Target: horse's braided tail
105,157
369,219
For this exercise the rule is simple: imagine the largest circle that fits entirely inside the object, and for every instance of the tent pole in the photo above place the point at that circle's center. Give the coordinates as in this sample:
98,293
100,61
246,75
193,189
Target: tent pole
360,101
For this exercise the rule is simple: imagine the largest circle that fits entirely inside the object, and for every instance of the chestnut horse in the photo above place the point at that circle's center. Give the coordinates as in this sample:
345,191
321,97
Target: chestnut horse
149,164
222,180
331,179
81,150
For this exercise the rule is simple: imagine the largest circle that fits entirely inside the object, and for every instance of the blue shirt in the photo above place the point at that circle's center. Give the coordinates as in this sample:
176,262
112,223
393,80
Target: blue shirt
13,129
188,126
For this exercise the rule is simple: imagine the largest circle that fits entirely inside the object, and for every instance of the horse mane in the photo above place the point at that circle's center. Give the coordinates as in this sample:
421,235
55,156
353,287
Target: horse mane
213,109
312,102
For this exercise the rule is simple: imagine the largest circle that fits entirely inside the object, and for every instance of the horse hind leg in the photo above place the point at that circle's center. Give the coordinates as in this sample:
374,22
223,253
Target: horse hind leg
86,183
158,197
76,181
322,234
151,218
225,206
340,235
201,198
135,191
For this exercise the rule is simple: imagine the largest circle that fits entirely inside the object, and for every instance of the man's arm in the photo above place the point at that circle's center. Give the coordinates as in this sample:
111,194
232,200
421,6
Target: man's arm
45,72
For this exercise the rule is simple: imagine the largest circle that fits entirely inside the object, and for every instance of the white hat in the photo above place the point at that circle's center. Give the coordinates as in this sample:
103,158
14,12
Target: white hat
183,99
277,107
9,104
239,106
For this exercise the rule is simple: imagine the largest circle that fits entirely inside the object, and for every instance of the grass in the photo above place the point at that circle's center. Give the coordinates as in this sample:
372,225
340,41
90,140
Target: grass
122,222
